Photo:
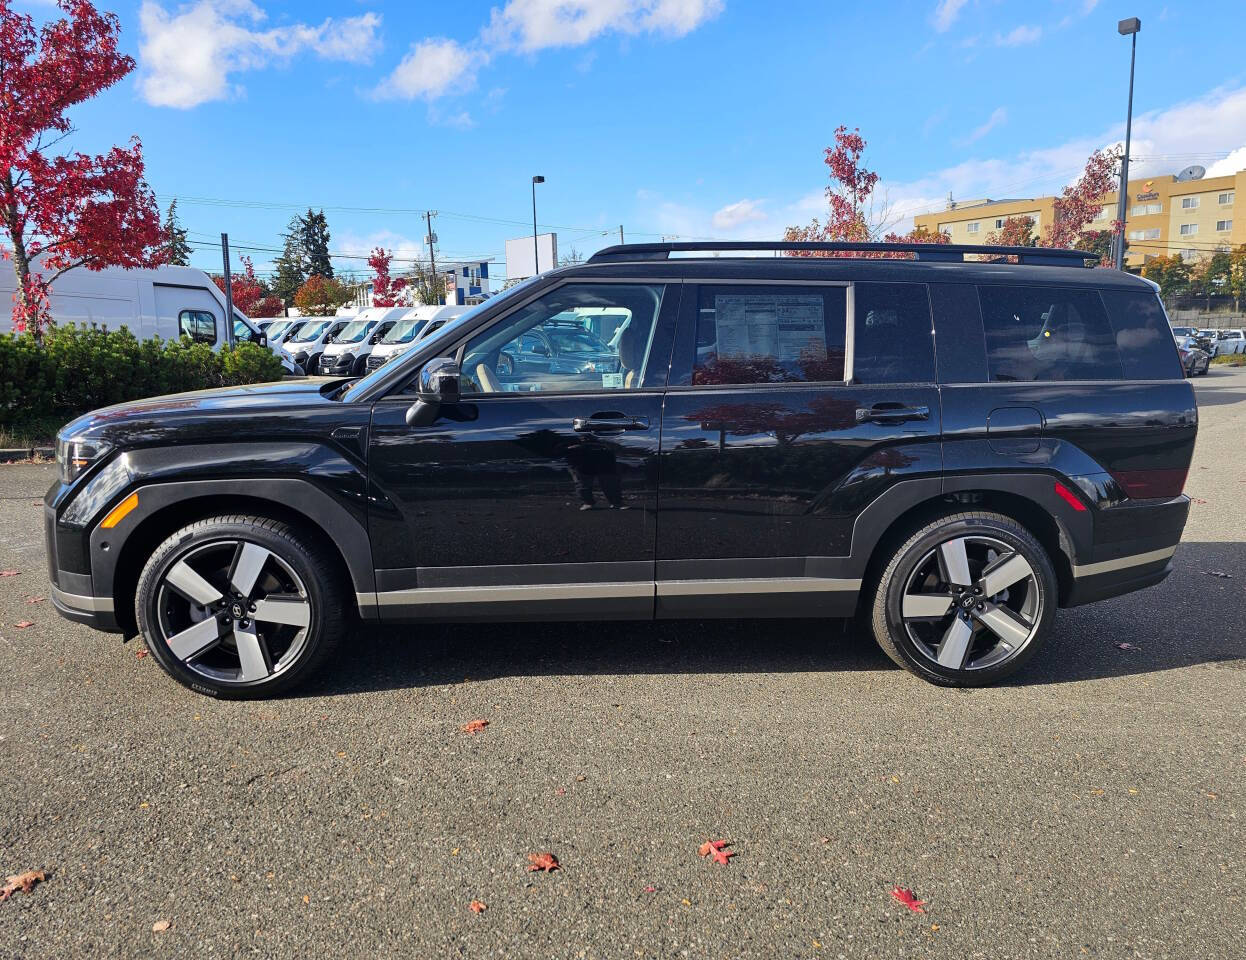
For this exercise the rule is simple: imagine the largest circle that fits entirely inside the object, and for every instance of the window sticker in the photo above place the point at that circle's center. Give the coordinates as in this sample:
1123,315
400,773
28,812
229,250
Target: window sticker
789,328
612,381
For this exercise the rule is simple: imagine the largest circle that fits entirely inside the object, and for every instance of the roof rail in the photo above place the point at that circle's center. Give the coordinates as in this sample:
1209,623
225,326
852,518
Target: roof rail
942,252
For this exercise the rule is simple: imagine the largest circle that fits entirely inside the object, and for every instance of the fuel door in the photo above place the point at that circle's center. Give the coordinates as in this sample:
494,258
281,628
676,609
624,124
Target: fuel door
1013,431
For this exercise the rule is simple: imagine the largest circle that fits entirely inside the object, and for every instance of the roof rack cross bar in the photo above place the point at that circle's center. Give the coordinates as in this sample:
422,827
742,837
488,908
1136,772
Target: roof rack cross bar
940,252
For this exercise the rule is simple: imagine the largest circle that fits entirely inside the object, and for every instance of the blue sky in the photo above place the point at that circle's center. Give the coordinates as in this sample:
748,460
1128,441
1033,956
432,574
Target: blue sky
688,118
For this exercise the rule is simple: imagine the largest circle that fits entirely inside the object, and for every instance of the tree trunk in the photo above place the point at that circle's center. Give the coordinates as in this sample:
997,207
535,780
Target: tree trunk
21,262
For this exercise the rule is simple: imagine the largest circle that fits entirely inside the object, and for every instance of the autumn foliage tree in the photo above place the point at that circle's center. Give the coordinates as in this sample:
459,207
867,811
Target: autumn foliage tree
387,291
852,216
320,296
63,210
251,297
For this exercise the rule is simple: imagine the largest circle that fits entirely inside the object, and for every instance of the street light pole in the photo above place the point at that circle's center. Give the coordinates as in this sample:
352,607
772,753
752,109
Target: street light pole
536,267
1126,28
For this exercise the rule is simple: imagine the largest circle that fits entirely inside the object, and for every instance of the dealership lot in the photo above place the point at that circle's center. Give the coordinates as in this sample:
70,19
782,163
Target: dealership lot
1092,806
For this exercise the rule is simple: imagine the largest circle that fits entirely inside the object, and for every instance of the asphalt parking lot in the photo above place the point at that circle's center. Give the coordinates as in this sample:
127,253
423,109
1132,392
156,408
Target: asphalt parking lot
1094,806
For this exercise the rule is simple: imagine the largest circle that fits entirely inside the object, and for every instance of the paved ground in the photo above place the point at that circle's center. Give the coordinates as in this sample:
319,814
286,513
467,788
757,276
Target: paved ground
1094,807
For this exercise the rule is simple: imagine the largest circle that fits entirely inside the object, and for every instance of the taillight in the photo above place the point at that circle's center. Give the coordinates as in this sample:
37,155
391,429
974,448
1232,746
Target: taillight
1148,484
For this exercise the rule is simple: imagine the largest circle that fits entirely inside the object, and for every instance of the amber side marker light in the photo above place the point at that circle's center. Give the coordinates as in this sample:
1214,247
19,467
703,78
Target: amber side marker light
1065,494
120,511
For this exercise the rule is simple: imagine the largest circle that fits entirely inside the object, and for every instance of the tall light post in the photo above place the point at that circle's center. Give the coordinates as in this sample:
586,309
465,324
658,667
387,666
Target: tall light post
536,267
1126,28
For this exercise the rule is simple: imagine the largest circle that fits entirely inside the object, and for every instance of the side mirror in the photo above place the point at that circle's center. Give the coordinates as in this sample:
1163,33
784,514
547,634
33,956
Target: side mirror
374,339
329,338
438,386
263,339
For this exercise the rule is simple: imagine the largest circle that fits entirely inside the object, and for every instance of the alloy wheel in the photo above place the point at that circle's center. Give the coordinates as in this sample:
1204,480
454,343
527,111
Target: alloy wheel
972,602
233,611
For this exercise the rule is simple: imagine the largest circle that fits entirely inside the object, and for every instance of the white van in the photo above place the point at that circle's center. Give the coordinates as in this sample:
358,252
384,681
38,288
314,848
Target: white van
407,331
347,355
304,346
166,302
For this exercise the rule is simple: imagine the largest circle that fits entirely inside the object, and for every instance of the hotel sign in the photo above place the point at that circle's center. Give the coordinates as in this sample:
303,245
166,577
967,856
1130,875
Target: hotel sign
1149,195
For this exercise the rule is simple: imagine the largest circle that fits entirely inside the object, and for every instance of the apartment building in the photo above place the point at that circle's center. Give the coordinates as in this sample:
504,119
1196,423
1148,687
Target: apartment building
1166,215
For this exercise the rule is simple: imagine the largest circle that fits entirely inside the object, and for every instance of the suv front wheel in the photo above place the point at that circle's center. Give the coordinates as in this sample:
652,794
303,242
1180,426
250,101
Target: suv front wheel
239,607
966,600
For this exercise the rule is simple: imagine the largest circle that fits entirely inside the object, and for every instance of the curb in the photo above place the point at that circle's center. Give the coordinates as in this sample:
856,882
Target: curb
19,454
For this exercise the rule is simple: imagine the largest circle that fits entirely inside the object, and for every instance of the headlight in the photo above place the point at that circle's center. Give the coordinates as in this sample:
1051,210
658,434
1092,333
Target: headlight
74,455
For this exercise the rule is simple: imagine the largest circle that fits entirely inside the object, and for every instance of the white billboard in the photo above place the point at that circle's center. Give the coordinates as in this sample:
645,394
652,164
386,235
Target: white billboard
519,253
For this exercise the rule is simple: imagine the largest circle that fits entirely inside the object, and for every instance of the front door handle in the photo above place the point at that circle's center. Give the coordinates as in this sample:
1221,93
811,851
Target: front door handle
608,423
891,413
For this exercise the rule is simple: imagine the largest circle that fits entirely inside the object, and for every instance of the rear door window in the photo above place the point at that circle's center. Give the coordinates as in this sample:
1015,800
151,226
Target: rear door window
1143,336
892,340
1047,333
769,334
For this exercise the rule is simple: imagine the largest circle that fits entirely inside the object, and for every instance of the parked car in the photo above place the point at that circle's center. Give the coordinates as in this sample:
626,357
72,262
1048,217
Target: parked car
1201,340
1195,361
347,355
408,330
305,346
952,448
557,346
167,302
1230,342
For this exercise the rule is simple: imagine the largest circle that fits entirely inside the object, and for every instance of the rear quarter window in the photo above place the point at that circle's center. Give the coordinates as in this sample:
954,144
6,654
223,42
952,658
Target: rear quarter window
1047,333
1143,337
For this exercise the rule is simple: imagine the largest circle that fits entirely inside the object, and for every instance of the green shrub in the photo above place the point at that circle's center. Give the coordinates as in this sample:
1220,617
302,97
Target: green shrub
78,369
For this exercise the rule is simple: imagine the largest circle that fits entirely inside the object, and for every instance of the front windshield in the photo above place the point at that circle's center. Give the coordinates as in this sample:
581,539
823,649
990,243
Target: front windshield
403,331
446,334
278,328
355,331
310,332
574,340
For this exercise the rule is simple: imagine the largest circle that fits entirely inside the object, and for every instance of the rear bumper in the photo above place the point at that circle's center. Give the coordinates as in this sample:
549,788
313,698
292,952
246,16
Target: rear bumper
1134,548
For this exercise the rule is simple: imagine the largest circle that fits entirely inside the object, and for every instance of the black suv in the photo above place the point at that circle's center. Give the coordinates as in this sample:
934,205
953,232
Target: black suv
948,446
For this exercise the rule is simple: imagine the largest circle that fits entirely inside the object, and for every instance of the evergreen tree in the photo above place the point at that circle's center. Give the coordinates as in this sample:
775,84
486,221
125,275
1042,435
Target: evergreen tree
314,230
177,249
290,269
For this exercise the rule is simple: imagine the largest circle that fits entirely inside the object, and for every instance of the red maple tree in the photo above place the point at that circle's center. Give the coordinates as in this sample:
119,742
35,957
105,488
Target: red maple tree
849,197
386,291
65,209
248,293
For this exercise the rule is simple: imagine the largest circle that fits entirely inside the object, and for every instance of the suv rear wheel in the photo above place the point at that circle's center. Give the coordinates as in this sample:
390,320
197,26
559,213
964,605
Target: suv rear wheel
239,607
966,600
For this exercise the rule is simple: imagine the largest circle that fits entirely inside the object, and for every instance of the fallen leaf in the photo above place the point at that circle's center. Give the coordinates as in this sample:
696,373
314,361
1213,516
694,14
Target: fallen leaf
1221,574
560,792
542,861
306,898
8,573
35,599
1197,500
21,881
160,926
139,654
475,726
714,848
650,889
1125,646
905,896
477,907
824,839
686,902
23,624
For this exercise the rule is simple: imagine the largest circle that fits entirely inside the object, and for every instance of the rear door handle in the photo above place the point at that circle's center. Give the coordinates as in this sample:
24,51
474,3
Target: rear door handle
891,413
608,424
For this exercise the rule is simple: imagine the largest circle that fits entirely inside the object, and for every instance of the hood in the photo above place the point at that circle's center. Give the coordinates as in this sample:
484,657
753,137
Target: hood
124,421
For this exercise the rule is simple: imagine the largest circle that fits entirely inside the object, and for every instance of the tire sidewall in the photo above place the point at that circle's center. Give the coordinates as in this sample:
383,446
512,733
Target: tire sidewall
916,549
203,534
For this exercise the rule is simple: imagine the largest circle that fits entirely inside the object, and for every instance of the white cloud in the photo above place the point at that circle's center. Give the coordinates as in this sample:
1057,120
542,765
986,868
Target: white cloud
735,214
1235,161
945,14
998,115
530,25
1019,36
187,57
432,68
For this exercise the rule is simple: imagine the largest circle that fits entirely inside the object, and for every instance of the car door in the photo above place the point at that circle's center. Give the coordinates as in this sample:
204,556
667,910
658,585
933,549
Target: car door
778,431
535,496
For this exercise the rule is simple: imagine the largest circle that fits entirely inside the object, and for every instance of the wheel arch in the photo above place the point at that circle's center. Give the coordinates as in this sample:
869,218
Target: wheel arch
166,508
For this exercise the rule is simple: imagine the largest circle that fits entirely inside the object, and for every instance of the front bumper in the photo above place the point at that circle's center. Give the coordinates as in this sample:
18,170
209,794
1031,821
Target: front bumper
339,365
72,593
1134,548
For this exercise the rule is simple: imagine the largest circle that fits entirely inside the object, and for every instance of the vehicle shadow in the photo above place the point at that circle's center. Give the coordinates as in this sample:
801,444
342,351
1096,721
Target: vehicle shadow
1191,618
1219,386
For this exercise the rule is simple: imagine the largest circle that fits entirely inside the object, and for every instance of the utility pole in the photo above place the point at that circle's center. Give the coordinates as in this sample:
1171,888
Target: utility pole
432,257
229,292
621,233
1126,28
536,266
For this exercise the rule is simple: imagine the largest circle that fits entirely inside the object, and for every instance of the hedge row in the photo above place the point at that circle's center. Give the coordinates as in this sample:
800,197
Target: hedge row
76,369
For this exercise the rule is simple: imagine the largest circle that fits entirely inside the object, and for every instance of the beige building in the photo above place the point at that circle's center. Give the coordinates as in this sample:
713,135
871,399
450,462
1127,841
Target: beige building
1165,216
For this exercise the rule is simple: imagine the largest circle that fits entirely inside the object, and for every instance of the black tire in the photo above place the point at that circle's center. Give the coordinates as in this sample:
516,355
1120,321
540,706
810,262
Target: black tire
986,656
359,367
290,620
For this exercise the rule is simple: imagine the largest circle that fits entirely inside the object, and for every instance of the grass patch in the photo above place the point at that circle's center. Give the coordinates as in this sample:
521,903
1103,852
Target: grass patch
31,432
1232,360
